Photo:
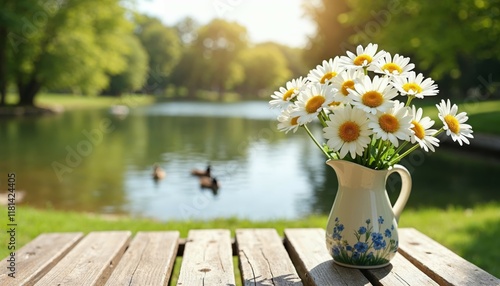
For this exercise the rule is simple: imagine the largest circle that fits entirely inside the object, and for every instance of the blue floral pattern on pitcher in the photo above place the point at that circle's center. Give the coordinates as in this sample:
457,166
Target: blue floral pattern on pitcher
371,248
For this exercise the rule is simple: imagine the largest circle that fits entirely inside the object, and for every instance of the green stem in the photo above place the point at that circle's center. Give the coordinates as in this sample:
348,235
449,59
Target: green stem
366,155
379,152
399,149
316,142
438,132
322,118
410,98
397,159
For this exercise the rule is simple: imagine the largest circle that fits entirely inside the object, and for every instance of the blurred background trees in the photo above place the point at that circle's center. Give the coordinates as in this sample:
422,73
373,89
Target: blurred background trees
453,41
93,47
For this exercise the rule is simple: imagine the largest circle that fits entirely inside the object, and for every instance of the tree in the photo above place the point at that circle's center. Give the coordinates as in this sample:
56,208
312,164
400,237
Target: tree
187,30
11,17
135,75
219,44
454,42
332,33
265,68
293,57
163,47
71,43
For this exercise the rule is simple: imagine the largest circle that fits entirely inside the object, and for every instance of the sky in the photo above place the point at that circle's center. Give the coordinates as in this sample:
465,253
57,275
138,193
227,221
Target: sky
280,21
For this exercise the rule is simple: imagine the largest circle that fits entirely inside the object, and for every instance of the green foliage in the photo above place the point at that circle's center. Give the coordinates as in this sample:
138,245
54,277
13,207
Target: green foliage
454,42
134,76
163,47
217,47
265,68
331,33
71,44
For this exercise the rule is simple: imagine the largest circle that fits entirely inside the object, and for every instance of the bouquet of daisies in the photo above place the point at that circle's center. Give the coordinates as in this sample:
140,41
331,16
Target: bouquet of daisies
354,98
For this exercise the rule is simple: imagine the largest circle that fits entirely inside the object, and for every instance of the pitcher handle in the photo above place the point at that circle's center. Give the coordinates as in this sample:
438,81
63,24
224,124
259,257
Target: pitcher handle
405,189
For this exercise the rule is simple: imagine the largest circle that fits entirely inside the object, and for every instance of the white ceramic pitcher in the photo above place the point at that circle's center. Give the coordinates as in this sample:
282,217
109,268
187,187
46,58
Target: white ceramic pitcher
362,226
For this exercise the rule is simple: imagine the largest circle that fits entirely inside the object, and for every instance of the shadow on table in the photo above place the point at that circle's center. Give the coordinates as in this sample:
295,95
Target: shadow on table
288,279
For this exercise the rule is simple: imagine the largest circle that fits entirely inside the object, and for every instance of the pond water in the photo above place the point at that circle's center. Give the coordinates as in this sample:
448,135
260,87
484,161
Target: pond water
93,161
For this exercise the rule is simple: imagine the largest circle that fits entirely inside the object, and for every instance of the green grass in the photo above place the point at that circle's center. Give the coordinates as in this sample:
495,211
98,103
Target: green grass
471,233
69,101
484,116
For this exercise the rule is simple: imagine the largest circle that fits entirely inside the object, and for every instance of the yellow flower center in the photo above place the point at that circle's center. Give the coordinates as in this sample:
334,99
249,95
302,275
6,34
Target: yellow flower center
389,123
348,84
327,76
391,67
349,131
294,120
359,60
412,86
334,103
314,103
452,123
418,129
288,94
372,98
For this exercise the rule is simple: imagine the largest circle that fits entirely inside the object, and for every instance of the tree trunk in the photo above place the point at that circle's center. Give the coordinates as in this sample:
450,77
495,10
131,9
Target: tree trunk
3,65
220,91
28,91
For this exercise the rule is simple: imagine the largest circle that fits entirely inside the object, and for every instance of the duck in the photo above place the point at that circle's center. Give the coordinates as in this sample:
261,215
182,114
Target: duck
209,183
202,173
158,172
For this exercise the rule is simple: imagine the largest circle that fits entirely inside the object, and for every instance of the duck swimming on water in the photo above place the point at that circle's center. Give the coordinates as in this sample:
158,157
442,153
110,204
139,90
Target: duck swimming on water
158,172
202,173
209,183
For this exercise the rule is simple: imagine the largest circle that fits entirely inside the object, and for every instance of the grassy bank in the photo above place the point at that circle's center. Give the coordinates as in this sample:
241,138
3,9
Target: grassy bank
471,233
69,101
484,115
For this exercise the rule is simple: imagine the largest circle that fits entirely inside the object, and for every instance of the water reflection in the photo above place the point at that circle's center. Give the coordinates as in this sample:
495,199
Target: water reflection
92,161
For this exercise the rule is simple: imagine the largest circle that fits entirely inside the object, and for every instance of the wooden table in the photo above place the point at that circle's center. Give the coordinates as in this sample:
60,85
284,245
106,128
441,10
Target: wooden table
263,257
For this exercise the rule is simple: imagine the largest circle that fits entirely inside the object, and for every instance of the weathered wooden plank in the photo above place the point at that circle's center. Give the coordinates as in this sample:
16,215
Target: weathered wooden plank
207,259
263,258
148,260
91,261
399,272
440,263
37,257
314,264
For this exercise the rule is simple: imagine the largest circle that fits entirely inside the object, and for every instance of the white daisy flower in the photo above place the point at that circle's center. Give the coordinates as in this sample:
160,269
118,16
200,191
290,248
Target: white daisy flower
286,121
392,125
325,72
311,101
364,57
454,123
421,132
373,96
398,65
347,131
343,82
284,96
415,85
